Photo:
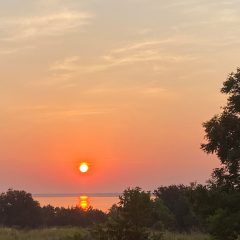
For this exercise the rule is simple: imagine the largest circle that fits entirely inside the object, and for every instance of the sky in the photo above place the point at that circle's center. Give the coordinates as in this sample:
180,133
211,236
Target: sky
123,85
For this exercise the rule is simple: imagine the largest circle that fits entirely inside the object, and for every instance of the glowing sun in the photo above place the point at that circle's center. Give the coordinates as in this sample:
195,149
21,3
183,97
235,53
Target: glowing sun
83,167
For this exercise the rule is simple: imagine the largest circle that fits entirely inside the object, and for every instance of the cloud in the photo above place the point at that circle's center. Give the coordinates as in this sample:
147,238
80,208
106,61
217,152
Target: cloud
22,28
61,72
68,64
57,112
139,52
143,52
148,91
67,71
9,51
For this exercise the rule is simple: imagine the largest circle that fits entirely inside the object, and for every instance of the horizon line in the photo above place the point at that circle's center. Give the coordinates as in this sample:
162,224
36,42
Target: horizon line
109,194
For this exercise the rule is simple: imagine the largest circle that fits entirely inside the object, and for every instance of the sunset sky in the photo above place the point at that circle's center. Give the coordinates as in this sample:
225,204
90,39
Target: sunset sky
122,84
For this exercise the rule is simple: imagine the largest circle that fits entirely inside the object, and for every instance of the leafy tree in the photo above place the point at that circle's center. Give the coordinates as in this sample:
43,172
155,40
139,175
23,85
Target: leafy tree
131,218
224,224
48,215
162,218
135,205
203,203
175,198
223,139
223,136
17,208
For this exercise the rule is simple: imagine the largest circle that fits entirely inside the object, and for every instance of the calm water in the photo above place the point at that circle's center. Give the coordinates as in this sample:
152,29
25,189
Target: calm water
100,201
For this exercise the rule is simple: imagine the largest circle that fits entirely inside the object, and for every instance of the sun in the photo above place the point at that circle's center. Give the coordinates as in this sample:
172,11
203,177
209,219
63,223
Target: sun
83,167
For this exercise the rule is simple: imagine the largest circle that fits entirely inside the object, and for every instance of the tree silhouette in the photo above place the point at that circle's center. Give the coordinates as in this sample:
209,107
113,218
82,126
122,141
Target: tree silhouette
17,208
176,200
223,136
223,139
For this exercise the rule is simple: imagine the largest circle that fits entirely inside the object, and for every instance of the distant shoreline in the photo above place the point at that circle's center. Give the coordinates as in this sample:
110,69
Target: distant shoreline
76,194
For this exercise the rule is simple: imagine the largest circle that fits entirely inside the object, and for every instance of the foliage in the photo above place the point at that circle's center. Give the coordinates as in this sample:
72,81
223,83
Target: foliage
203,202
45,234
71,216
224,224
222,135
162,217
130,219
17,208
135,207
232,87
175,199
186,236
137,215
223,139
78,234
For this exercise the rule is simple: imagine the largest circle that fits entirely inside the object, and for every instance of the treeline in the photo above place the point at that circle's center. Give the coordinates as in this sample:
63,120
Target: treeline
176,208
19,209
139,214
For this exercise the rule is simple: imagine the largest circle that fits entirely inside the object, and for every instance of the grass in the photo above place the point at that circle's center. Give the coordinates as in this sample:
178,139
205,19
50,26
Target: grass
44,234
192,236
72,233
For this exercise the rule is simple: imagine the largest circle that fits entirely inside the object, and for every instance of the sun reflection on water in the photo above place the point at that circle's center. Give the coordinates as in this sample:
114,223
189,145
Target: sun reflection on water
84,202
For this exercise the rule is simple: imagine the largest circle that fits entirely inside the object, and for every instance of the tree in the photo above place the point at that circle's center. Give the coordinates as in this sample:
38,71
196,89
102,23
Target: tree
175,199
17,208
130,218
162,218
223,137
224,224
135,205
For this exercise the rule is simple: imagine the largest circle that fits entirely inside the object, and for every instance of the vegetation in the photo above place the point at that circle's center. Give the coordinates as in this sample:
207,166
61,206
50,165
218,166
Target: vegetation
76,234
222,134
185,209
173,213
223,139
18,209
44,234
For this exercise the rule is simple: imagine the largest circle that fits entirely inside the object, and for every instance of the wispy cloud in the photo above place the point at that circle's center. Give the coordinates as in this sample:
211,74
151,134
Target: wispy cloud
146,51
207,14
61,72
150,51
148,91
20,28
58,112
9,51
68,64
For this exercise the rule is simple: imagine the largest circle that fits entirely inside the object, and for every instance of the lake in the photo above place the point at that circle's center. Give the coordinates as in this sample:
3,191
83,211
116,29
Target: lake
98,201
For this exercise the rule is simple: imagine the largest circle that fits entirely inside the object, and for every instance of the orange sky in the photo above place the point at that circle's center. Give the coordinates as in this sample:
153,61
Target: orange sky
124,85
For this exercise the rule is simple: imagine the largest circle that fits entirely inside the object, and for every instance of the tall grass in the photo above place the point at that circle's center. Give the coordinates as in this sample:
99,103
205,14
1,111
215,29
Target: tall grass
72,233
44,234
191,236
